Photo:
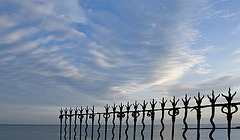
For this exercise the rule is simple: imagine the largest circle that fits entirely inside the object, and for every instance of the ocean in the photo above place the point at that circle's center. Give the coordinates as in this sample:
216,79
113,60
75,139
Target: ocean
51,132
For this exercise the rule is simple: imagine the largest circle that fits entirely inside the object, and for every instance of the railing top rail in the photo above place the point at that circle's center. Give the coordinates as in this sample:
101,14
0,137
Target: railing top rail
158,109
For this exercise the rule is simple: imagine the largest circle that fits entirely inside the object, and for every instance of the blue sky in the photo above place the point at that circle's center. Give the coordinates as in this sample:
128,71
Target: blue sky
69,53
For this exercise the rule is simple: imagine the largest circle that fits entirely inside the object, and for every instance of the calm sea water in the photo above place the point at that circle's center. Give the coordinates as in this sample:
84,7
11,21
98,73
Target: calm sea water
51,132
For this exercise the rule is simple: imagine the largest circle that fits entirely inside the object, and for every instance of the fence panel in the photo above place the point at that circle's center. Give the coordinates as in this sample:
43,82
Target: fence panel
110,121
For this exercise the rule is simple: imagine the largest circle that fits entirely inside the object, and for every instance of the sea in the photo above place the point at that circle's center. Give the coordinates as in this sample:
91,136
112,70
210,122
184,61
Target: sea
52,132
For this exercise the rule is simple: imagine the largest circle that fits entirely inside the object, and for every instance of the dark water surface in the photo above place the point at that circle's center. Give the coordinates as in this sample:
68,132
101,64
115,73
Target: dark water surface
51,132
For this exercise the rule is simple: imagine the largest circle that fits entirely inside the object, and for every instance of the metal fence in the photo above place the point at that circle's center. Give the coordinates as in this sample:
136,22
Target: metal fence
83,119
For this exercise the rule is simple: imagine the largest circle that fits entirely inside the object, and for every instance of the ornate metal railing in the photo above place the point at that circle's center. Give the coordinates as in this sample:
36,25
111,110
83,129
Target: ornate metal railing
73,120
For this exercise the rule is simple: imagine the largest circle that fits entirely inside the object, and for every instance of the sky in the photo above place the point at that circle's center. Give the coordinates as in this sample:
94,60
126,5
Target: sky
69,53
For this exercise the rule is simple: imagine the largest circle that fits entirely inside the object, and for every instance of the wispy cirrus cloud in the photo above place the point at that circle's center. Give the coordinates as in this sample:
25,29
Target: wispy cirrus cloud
236,30
133,54
231,16
237,53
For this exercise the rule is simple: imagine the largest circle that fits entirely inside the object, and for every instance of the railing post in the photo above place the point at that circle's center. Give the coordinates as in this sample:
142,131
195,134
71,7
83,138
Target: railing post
163,103
70,123
65,123
86,123
91,116
198,109
106,116
213,101
144,105
229,112
175,112
128,106
120,115
113,120
99,126
151,114
81,119
61,118
135,114
185,102
75,123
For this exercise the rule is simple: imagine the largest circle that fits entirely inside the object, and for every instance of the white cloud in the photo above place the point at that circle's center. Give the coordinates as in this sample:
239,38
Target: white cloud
163,59
7,22
237,53
236,30
219,83
202,70
8,58
71,10
17,35
208,49
231,16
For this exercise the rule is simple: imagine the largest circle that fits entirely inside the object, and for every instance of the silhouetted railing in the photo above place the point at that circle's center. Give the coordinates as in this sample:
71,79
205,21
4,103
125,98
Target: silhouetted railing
73,120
